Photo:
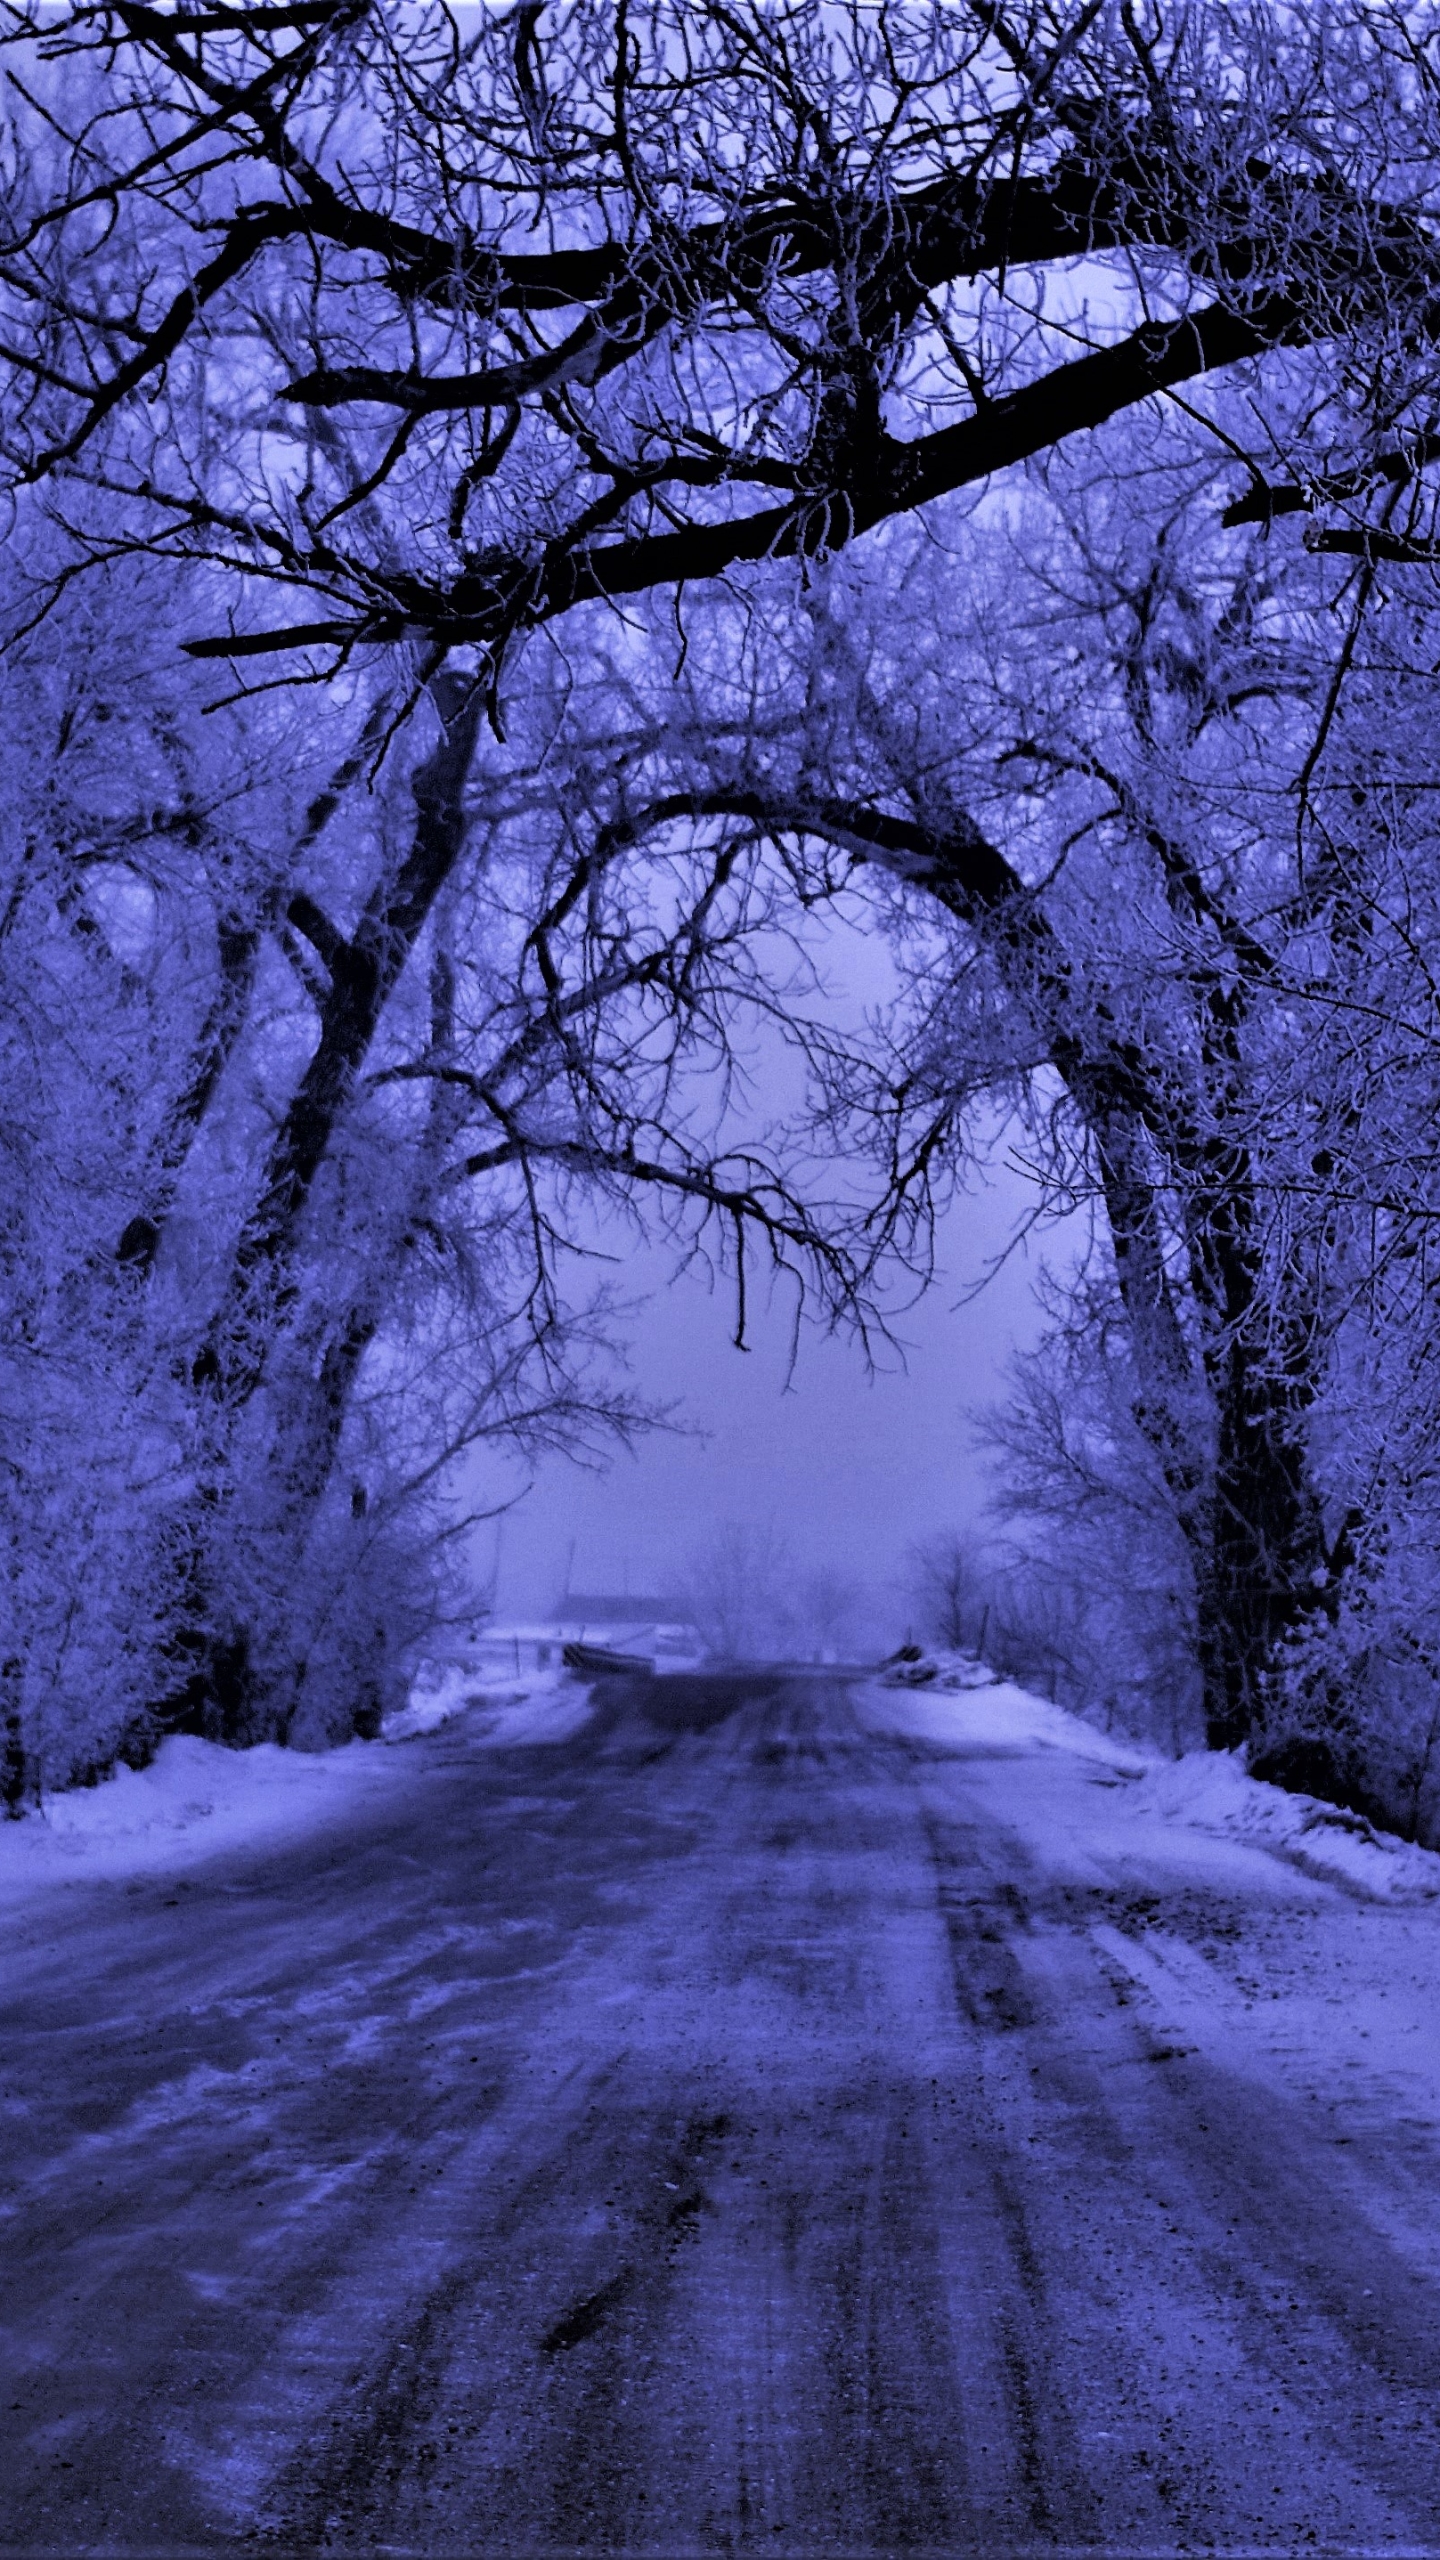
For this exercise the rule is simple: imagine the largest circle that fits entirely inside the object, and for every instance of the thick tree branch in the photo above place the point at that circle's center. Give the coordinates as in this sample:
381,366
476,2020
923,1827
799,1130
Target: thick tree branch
487,604
1267,500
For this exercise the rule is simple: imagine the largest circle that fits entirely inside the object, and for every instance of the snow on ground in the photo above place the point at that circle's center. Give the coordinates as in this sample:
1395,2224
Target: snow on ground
1282,1938
963,1704
1210,1791
541,1706
196,1799
1275,1936
940,1668
964,1708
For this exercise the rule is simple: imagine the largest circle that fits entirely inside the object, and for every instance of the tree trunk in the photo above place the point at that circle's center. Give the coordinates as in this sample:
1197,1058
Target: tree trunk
216,1692
1226,1424
1269,1565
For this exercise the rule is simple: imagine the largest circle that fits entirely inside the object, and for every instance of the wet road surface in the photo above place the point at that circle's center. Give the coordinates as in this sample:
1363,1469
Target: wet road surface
718,2133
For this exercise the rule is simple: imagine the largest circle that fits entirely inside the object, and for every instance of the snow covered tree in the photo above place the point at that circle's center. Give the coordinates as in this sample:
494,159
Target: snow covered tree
280,1253
138,853
1162,777
615,299
413,340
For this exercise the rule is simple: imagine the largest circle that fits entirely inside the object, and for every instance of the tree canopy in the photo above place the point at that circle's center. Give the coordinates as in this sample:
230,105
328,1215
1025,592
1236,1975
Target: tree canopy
614,297
680,468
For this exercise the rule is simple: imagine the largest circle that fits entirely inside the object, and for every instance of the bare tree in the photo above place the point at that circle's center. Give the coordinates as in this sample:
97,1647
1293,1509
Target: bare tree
620,299
738,1587
949,1587
269,1275
832,1614
413,341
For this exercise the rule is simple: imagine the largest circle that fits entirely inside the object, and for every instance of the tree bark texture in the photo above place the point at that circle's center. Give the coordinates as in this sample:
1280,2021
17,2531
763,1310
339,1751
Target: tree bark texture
218,1690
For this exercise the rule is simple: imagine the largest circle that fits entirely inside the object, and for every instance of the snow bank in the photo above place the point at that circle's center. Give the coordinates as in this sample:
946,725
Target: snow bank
1207,1791
194,1799
197,1799
940,1668
966,1708
541,1706
1210,1791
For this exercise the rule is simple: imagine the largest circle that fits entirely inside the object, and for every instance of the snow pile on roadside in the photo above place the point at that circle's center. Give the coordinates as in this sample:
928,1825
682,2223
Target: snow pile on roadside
197,1799
1211,1792
436,1696
539,1706
194,1799
939,1668
1207,1791
992,1719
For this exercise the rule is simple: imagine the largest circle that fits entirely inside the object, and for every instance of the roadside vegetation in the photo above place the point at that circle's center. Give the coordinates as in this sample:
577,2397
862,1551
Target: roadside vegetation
510,519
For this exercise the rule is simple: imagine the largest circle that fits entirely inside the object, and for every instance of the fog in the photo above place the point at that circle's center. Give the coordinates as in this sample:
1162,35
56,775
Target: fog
847,1468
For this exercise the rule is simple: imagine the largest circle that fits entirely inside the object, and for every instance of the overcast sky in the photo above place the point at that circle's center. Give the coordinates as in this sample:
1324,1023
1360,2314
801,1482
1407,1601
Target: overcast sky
850,1470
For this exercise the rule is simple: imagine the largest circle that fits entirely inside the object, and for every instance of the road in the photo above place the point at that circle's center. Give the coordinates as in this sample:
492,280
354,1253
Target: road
722,2132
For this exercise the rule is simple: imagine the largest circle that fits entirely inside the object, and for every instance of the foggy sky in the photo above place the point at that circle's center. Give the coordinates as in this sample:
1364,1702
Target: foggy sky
850,1470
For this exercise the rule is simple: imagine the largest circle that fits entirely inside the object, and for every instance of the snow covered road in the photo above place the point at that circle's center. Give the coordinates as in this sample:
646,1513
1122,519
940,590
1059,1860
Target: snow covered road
777,2116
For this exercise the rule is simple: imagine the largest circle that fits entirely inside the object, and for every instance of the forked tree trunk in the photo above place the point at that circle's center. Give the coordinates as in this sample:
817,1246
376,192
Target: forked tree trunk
219,1688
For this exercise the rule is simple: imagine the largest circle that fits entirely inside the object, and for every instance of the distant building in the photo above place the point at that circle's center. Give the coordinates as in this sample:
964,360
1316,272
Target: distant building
622,1621
629,1622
